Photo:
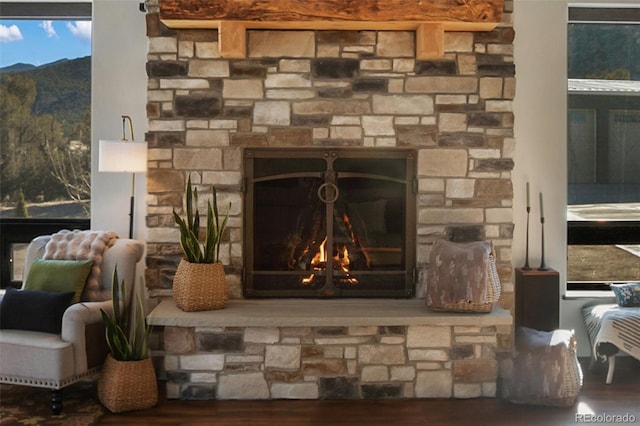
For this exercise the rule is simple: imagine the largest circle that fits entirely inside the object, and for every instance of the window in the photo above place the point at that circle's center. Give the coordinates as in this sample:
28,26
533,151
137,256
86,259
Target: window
603,150
45,124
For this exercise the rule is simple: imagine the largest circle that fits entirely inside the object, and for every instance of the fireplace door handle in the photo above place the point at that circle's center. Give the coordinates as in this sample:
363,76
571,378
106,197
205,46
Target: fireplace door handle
322,194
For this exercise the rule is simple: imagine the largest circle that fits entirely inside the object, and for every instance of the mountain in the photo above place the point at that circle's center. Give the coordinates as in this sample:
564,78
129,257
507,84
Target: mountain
19,67
63,87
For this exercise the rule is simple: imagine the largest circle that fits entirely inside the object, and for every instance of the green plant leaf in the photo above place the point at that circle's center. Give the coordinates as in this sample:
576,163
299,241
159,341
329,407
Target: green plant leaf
115,294
196,216
126,333
211,237
215,207
195,251
220,230
189,202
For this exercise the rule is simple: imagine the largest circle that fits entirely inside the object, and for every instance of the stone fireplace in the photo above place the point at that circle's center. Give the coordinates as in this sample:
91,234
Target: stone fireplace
332,90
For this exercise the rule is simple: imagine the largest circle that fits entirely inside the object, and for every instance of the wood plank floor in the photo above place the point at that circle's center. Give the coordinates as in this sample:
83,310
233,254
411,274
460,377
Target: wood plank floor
596,398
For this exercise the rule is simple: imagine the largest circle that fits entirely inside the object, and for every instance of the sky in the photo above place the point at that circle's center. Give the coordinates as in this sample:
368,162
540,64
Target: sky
40,42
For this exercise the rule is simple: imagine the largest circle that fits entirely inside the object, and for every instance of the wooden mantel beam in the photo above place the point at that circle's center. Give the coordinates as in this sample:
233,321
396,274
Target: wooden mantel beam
429,18
486,11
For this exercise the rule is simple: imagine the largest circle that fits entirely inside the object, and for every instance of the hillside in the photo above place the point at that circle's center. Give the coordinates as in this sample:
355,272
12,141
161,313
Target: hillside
63,87
19,67
42,110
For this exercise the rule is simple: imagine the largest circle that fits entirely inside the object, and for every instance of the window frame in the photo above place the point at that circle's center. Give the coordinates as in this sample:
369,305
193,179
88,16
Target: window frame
23,230
46,10
598,232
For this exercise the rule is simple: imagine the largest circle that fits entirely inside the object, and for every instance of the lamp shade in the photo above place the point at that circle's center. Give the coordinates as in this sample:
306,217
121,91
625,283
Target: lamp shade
122,156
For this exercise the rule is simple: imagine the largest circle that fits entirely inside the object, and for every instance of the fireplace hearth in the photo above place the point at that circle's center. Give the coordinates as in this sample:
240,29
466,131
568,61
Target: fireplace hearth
317,138
330,222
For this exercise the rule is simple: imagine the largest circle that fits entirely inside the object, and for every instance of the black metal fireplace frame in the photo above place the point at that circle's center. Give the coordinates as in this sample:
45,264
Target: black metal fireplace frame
408,272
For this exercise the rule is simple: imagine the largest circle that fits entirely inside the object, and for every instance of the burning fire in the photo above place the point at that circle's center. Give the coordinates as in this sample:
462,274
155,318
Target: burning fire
339,260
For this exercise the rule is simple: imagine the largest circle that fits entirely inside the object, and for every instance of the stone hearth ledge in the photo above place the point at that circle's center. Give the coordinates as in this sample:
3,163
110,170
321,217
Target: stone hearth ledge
322,313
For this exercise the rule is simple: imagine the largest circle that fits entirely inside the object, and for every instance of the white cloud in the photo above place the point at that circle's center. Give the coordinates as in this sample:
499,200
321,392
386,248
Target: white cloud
9,34
47,26
80,29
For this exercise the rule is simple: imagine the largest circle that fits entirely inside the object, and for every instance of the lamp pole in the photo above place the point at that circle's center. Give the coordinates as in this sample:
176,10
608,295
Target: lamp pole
126,118
124,156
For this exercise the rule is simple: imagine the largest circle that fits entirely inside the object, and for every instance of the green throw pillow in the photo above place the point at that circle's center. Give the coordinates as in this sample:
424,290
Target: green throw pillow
59,276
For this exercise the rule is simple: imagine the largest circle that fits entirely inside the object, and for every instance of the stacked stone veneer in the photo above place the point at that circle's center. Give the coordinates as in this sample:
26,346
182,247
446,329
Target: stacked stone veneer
332,89
416,361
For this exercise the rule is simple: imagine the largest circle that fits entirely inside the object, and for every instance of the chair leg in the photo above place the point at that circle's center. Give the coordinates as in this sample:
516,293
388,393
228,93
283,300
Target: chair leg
612,367
56,401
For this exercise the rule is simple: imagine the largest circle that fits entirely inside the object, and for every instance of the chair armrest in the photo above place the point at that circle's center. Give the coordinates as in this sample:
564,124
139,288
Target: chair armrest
75,324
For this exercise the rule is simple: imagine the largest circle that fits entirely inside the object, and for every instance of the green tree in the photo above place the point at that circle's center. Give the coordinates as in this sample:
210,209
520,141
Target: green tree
18,164
21,207
70,159
606,51
616,74
47,157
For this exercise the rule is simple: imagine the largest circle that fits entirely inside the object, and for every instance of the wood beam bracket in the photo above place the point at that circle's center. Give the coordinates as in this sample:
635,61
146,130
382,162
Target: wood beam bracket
429,41
232,39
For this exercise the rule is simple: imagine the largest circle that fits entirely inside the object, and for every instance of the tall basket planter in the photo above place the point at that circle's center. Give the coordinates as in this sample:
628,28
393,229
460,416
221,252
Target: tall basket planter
200,286
127,385
127,380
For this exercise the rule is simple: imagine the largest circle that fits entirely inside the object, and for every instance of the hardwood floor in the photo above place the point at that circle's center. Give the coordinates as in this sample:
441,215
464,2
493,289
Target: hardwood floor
621,398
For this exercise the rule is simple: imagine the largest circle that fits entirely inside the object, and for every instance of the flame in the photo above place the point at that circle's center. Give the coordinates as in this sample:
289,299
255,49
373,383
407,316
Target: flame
338,258
340,261
321,256
343,259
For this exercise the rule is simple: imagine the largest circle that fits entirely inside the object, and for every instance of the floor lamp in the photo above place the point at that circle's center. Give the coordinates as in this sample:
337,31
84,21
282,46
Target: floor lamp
124,157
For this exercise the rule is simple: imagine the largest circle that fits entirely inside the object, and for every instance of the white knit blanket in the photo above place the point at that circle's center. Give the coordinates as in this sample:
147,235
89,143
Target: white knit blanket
610,323
82,245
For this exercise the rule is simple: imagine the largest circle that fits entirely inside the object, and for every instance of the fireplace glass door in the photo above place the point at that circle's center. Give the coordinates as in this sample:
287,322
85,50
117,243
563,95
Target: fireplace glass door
329,223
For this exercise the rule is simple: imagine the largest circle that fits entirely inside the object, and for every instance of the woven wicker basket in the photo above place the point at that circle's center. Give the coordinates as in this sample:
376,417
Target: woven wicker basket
546,370
491,296
573,376
127,385
200,286
448,260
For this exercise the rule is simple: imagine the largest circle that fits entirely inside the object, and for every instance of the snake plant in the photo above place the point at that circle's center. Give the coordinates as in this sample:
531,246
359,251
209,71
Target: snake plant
194,250
127,331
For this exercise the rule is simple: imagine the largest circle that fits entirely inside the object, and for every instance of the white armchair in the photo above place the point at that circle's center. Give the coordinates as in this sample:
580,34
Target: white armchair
53,361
